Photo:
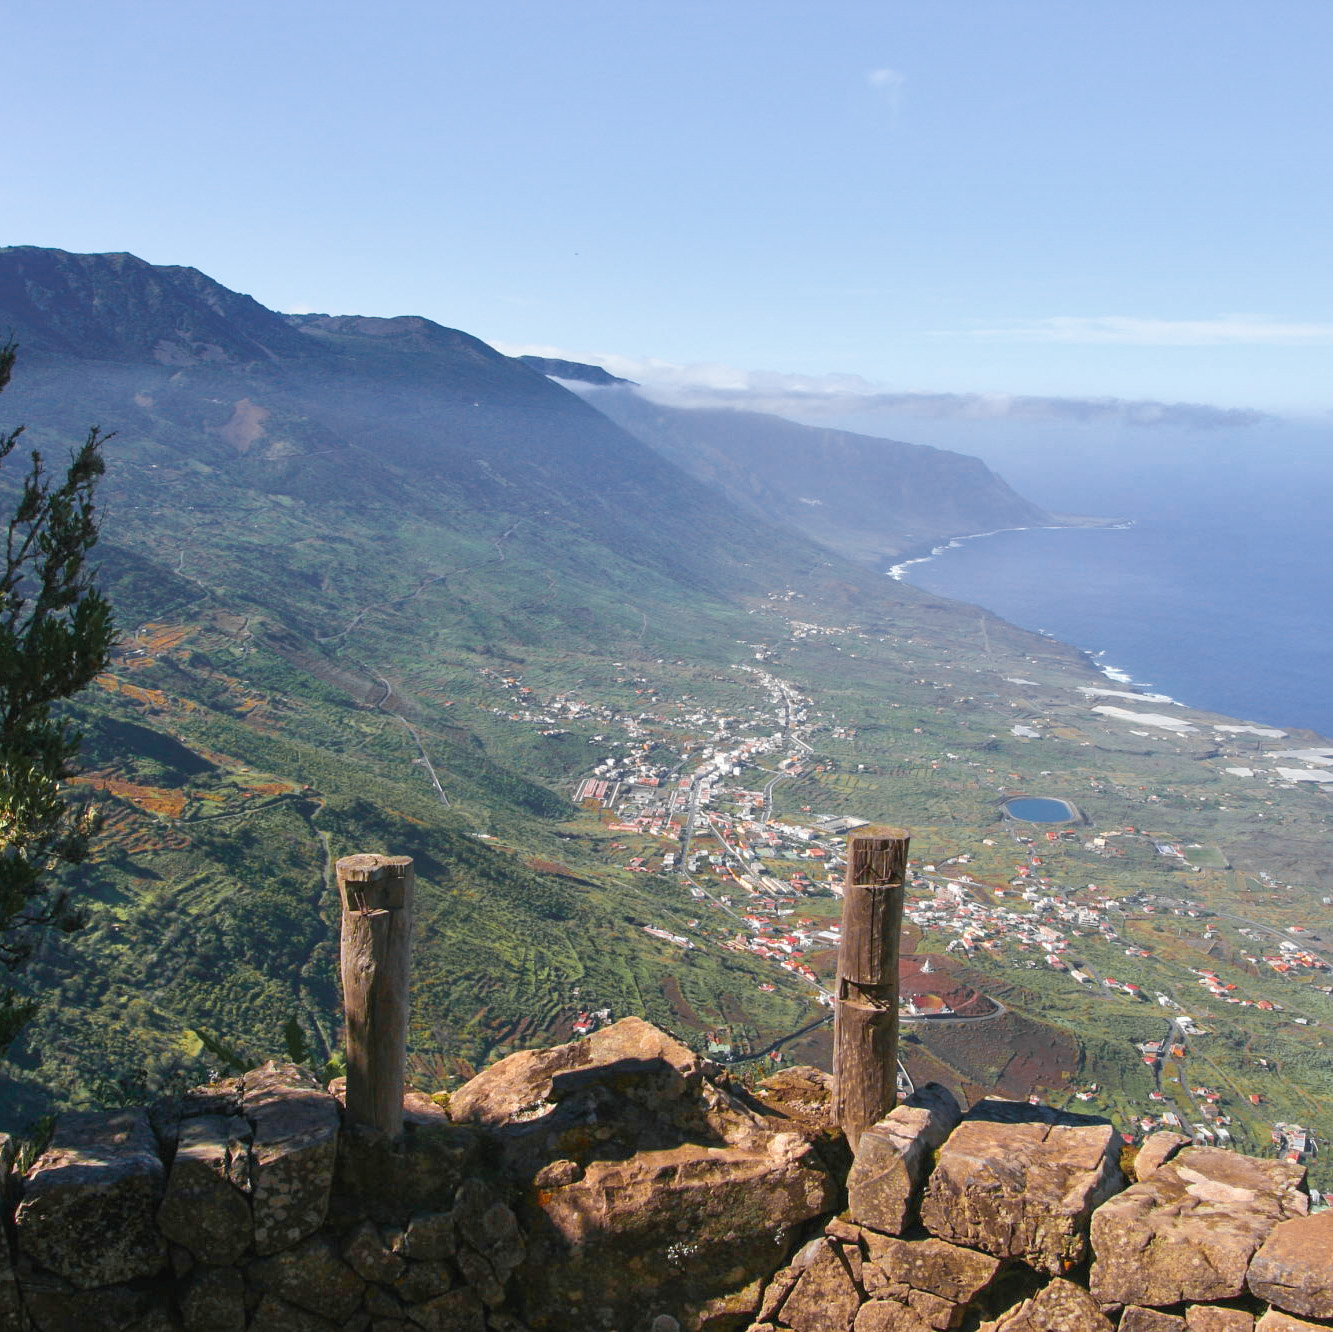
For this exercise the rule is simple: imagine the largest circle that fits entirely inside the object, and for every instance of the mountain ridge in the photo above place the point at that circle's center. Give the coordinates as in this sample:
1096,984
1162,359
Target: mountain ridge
327,563
119,309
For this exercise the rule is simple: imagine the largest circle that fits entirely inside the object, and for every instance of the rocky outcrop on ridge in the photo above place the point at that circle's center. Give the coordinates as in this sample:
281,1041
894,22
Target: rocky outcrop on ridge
623,1184
641,1171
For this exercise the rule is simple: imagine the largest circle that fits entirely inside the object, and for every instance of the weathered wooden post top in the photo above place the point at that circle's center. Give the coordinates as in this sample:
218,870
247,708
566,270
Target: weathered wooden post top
865,1017
376,970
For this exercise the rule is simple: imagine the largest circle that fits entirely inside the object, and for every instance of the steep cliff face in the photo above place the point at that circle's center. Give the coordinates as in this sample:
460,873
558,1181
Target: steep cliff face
869,499
623,1183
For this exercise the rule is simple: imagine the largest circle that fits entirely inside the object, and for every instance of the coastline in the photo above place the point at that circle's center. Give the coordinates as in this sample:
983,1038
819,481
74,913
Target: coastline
1067,524
1122,683
1094,657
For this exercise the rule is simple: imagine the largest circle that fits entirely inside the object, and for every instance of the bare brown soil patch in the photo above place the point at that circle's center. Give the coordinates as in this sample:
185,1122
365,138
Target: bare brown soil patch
550,867
246,426
680,1006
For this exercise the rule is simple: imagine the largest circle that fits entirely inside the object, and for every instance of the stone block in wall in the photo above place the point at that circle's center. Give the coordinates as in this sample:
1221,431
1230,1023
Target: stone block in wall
480,1276
365,1252
776,1290
56,1305
1157,1150
1060,1307
221,1098
671,1191
386,1180
311,1276
894,1157
295,1123
680,1224
824,1298
380,1303
90,1202
721,1313
276,1315
424,1281
1188,1232
503,1322
1215,1318
214,1301
430,1237
894,1316
1019,1181
1293,1269
935,1279
1277,1321
161,1317
1136,1318
486,1227
456,1311
847,1239
206,1208
888,1316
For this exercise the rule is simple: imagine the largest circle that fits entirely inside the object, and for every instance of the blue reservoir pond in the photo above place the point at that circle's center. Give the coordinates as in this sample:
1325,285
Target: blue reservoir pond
1039,809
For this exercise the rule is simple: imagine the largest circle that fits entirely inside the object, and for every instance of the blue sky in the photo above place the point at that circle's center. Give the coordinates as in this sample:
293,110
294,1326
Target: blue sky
995,197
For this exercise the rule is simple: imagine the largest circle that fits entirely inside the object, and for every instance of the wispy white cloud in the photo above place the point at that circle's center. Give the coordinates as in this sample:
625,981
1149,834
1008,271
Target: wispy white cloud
813,405
702,376
845,397
888,85
1125,330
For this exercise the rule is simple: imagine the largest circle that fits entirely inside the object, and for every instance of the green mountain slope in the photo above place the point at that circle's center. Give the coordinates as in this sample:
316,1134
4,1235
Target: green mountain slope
321,533
384,589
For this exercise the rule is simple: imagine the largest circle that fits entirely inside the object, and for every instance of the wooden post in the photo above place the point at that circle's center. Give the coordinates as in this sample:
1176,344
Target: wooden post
865,1018
376,966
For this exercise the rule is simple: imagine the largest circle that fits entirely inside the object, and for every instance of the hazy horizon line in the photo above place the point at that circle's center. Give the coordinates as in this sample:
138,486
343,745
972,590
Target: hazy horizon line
715,385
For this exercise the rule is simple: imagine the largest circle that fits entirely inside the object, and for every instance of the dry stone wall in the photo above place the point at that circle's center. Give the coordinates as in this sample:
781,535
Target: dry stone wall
1026,1224
623,1184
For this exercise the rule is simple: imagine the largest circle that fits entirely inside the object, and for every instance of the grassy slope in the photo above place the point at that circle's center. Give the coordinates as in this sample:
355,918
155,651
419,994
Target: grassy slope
245,737
286,615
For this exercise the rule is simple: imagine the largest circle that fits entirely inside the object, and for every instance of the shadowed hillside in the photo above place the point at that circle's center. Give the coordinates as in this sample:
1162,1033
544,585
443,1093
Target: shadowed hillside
869,499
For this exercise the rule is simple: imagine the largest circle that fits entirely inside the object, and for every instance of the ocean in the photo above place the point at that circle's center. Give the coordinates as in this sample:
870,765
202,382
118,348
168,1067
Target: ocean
1218,592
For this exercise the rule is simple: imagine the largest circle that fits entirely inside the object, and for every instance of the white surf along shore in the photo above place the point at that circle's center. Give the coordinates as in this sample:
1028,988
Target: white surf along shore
898,571
1318,761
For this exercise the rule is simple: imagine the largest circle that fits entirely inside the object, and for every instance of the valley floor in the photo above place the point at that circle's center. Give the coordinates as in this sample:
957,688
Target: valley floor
1158,958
